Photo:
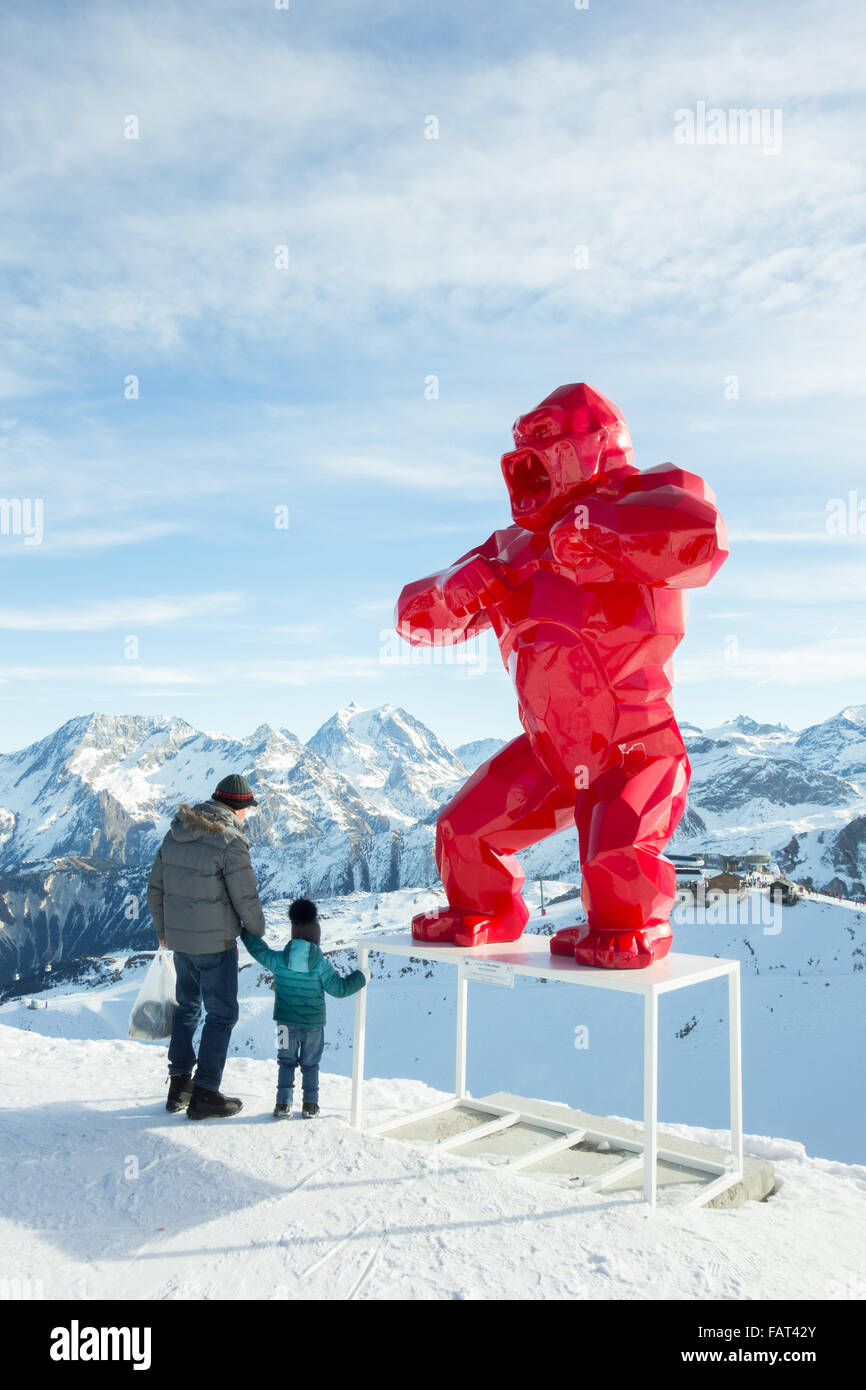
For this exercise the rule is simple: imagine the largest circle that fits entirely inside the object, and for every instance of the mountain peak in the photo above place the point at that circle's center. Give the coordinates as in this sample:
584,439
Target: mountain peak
110,731
747,725
744,724
344,716
366,745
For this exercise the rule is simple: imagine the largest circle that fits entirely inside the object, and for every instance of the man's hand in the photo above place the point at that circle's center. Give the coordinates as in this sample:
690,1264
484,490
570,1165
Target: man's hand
162,942
477,584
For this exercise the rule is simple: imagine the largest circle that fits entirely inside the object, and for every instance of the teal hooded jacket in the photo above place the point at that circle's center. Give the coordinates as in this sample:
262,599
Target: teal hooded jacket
302,975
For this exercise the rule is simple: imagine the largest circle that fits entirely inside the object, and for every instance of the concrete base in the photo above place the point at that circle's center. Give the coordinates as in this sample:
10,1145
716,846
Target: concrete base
586,1160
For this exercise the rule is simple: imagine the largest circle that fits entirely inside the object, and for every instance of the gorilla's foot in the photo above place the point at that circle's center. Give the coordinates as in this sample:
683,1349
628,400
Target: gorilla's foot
444,924
613,950
470,929
563,942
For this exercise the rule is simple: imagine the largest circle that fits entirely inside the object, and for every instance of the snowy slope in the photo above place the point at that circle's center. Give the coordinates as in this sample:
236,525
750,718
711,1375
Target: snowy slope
838,744
472,755
107,1196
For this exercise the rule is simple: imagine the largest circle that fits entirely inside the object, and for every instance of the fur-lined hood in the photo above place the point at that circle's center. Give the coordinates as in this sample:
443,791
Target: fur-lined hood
205,818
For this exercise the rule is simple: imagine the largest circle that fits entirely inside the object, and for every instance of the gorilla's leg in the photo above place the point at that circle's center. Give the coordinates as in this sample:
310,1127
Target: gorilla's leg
510,802
624,821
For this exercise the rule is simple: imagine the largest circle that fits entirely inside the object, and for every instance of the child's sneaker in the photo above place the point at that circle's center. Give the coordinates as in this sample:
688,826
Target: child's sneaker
282,1112
310,1109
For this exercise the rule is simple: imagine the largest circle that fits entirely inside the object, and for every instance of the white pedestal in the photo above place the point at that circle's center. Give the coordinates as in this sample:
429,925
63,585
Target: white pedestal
531,956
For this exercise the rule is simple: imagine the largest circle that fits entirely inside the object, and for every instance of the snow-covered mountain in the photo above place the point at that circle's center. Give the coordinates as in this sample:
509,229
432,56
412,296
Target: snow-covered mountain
746,729
83,810
800,796
392,760
475,753
838,745
106,786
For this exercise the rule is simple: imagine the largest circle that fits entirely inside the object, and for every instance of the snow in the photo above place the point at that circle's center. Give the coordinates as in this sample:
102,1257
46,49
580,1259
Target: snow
108,1196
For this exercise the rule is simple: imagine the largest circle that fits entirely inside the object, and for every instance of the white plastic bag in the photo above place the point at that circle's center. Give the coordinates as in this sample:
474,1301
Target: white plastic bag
153,1010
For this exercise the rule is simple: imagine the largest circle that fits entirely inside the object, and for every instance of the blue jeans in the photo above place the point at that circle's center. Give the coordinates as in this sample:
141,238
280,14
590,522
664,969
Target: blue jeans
300,1047
211,980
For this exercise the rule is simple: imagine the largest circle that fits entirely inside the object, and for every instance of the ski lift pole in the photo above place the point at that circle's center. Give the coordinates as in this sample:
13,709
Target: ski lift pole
540,883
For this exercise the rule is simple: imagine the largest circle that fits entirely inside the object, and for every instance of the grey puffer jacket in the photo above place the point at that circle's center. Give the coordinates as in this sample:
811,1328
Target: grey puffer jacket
202,887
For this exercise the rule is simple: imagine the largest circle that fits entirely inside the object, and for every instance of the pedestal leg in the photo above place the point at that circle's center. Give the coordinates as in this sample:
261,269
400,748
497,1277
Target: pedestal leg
650,1095
462,1008
358,1045
735,1040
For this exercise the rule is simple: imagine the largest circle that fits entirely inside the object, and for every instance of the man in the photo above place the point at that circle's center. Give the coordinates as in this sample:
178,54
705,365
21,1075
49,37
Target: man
201,892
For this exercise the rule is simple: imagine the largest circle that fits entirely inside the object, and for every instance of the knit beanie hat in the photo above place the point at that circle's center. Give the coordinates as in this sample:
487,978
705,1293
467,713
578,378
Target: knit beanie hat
236,792
305,921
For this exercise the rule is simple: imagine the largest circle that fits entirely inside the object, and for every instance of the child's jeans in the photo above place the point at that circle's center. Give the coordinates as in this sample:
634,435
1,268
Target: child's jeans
298,1047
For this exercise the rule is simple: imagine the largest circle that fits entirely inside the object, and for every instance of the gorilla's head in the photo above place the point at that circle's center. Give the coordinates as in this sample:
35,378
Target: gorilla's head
561,448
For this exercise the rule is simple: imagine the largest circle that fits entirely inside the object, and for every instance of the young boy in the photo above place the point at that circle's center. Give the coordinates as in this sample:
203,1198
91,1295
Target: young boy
302,974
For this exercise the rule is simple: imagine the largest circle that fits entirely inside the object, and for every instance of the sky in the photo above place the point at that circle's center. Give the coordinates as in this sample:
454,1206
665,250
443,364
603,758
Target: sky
276,282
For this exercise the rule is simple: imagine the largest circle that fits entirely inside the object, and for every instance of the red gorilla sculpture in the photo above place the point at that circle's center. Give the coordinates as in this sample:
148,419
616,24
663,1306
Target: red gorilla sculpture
584,593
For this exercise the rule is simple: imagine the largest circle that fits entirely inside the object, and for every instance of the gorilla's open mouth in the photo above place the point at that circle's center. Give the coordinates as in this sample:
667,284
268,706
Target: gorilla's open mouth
528,481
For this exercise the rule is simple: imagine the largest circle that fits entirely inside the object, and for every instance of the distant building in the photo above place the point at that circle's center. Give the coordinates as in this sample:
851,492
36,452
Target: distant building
689,869
757,859
727,882
784,892
689,878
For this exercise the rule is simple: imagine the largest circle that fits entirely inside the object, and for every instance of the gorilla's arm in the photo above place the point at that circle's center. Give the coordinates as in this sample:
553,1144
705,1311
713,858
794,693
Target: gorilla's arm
452,606
663,529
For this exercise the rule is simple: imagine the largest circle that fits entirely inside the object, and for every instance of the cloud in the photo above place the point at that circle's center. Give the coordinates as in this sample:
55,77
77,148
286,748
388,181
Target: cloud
306,634
455,470
71,537
375,607
379,220
125,613
785,538
820,663
822,581
208,674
